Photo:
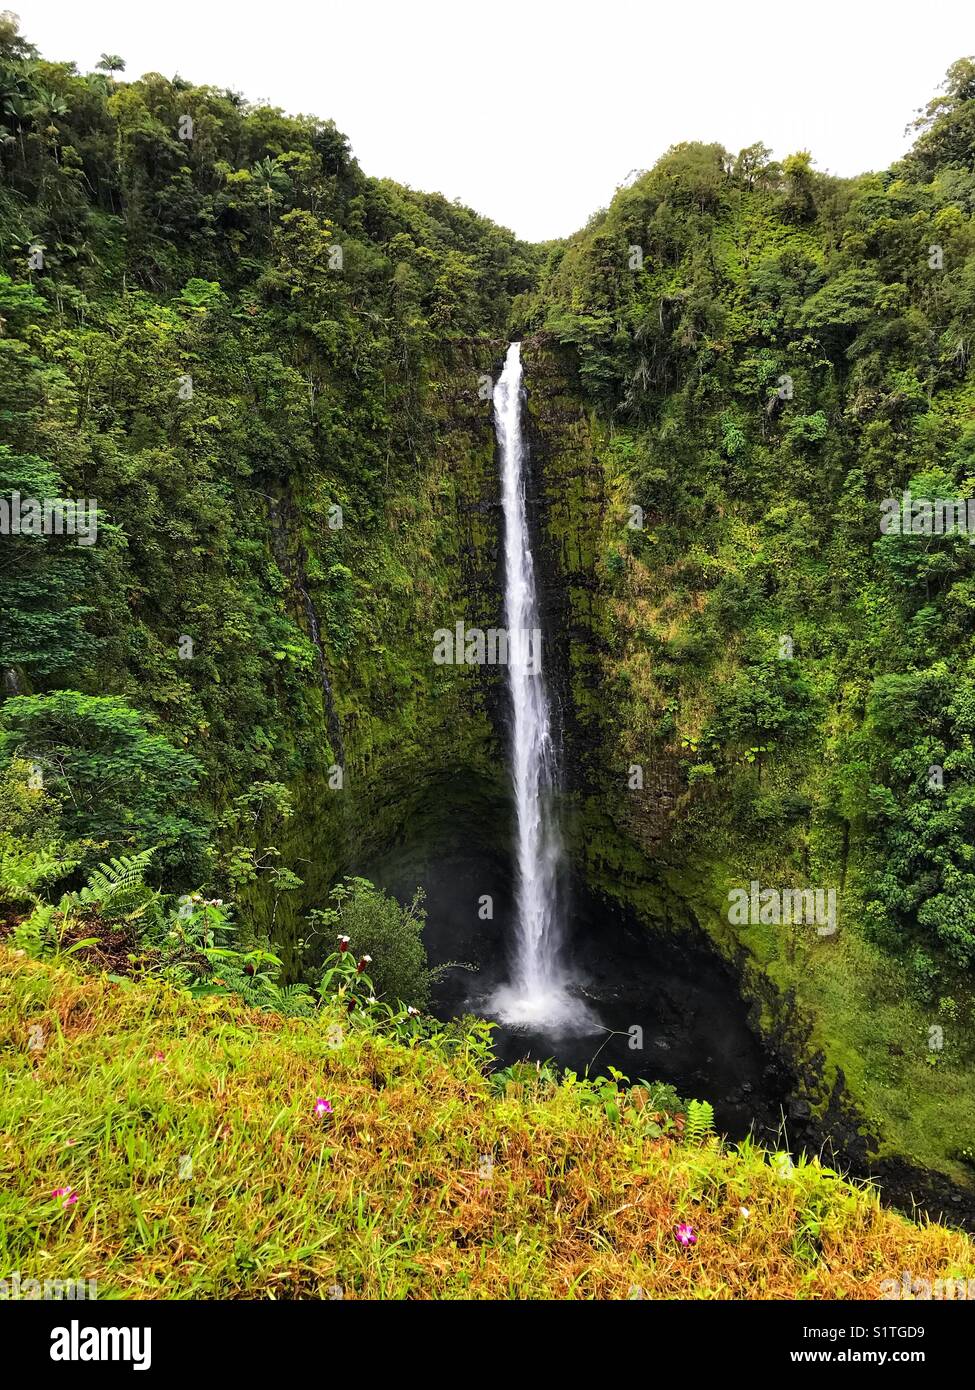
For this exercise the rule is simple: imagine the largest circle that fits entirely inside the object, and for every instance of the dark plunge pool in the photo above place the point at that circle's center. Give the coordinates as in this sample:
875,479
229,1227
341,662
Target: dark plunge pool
666,1006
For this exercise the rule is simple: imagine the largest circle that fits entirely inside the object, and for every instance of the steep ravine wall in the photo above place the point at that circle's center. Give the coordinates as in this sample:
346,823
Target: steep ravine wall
415,737
623,791
621,830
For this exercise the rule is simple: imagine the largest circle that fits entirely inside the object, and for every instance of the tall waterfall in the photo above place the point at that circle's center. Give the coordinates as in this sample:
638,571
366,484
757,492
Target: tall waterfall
536,995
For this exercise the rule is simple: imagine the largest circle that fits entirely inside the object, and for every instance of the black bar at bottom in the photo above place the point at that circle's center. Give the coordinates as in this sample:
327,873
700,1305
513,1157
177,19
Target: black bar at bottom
253,1338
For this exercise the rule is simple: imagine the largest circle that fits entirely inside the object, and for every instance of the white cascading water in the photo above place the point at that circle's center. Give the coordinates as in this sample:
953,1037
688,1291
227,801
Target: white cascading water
536,996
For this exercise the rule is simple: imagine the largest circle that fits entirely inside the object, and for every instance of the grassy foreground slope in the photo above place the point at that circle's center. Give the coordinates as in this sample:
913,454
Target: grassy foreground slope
423,1182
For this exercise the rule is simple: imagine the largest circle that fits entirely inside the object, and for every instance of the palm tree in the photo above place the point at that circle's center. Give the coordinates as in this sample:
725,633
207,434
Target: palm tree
46,108
110,63
18,90
272,178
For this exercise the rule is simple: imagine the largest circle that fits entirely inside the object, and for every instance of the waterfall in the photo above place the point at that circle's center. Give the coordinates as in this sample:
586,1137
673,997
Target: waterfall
536,995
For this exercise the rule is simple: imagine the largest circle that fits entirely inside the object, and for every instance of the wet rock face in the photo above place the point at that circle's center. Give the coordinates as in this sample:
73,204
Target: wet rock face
564,512
567,511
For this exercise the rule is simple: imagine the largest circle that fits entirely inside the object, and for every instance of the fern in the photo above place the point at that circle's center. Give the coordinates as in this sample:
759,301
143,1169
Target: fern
120,879
24,869
295,1001
37,934
700,1122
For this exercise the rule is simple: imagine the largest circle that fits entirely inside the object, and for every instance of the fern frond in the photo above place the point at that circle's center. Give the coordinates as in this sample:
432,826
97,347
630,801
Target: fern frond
700,1121
118,878
25,869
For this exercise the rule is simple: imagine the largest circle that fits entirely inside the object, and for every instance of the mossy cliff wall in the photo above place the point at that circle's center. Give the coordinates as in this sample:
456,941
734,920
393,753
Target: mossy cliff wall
837,1012
419,740
622,786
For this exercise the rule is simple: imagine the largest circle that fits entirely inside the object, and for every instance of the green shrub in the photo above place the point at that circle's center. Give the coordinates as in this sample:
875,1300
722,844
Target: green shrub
378,926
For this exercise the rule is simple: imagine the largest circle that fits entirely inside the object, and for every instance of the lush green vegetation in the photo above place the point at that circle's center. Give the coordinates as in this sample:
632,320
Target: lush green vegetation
265,369
774,352
237,343
741,362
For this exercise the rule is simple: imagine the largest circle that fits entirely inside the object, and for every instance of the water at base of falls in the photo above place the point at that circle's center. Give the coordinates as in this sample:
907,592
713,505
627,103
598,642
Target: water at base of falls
551,1010
538,995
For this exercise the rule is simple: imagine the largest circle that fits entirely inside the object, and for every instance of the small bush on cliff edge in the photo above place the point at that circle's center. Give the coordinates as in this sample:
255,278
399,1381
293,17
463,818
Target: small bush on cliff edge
392,936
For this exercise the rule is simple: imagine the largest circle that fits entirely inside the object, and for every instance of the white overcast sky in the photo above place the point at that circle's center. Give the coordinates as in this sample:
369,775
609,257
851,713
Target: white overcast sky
532,112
